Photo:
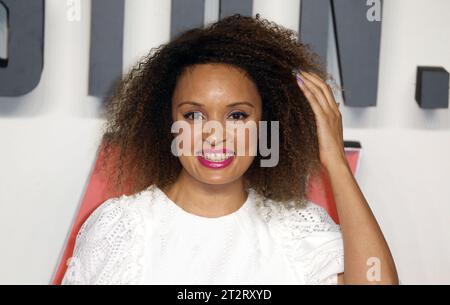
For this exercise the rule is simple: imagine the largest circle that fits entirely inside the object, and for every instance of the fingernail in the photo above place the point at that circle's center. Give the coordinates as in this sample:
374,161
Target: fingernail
296,72
300,79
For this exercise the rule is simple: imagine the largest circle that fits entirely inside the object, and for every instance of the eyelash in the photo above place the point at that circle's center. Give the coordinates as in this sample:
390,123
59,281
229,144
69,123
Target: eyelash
242,115
188,114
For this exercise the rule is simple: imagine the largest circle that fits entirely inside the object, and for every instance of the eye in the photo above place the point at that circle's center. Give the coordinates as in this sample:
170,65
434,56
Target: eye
193,115
238,115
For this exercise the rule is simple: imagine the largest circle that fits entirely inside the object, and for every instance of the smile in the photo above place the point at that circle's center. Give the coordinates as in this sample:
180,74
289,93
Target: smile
216,158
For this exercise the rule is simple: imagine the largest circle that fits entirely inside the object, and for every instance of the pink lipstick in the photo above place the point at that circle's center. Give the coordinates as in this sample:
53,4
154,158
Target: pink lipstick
216,158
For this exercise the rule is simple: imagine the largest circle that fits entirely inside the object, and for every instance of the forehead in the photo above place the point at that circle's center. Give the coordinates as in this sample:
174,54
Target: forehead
206,83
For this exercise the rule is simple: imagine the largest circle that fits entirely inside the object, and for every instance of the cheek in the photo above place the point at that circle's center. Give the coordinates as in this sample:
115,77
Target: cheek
194,139
245,141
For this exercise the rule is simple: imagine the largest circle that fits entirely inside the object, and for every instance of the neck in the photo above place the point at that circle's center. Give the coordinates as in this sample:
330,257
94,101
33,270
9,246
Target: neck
206,200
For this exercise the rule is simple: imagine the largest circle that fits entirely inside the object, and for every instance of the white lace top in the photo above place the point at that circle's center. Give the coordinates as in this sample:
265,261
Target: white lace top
146,238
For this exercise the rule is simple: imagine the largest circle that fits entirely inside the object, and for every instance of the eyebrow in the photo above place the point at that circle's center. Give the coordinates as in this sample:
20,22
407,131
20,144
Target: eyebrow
229,105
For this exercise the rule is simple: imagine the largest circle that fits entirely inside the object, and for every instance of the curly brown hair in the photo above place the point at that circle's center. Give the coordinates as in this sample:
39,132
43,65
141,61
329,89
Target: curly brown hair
137,136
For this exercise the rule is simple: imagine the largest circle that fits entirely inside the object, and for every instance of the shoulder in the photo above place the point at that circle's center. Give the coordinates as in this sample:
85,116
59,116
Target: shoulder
305,218
113,231
311,240
126,211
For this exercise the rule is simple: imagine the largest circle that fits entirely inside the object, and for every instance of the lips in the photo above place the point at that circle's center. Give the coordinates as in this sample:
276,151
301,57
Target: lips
216,158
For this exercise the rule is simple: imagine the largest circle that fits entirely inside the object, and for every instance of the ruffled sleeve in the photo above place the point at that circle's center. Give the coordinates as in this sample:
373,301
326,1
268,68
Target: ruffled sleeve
105,246
312,242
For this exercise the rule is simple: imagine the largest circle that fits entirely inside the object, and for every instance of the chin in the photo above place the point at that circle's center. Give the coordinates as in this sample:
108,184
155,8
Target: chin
216,176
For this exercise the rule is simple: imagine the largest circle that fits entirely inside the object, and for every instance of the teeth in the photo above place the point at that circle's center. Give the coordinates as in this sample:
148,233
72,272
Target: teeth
217,157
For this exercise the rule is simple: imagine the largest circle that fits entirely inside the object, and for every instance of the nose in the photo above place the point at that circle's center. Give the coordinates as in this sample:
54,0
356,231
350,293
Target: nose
213,137
214,134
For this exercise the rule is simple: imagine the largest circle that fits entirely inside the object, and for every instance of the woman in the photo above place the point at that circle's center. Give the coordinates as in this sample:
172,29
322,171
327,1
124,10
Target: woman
213,216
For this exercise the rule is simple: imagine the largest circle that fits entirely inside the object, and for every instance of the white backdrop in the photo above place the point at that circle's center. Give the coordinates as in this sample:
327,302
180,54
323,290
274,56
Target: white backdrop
49,137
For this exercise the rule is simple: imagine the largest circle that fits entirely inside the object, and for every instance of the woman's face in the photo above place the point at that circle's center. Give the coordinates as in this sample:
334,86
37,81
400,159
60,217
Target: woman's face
216,95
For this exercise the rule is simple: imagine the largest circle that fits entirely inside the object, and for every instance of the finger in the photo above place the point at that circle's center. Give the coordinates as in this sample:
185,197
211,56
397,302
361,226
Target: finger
325,89
315,105
317,93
